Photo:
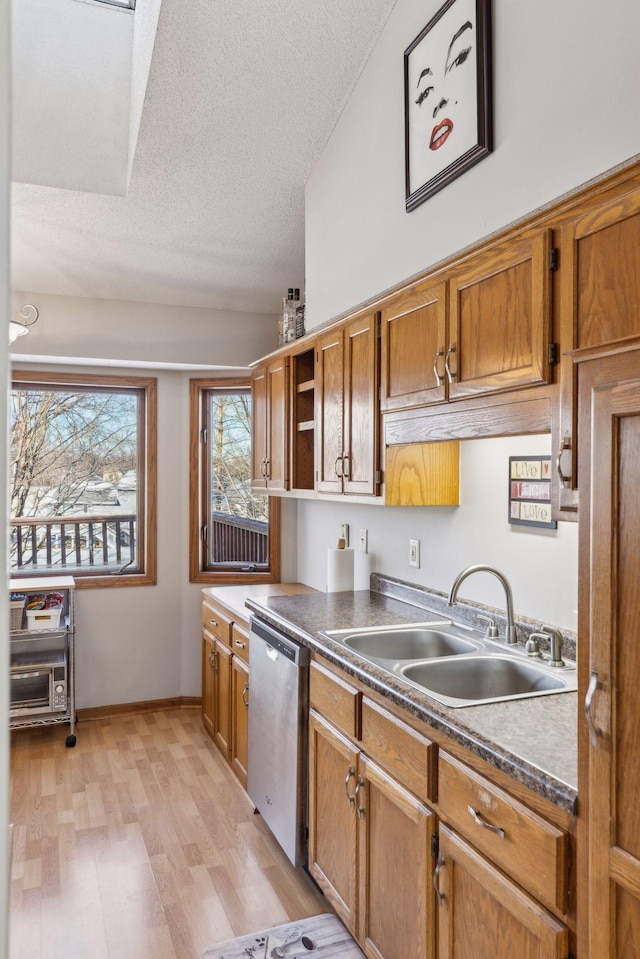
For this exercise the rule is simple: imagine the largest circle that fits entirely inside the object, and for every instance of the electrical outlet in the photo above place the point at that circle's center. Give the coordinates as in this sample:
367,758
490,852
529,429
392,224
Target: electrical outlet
363,542
344,533
414,553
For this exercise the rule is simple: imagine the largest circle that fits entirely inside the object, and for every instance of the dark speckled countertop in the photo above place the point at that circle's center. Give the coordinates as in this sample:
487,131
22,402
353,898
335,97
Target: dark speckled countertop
532,740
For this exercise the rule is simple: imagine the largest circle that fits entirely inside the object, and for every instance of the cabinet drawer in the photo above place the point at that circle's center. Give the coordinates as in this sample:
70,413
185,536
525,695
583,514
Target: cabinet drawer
335,699
517,840
408,756
240,641
215,622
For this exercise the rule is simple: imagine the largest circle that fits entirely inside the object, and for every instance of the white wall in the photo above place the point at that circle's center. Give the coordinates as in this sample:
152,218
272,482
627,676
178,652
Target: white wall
540,564
565,110
4,612
128,332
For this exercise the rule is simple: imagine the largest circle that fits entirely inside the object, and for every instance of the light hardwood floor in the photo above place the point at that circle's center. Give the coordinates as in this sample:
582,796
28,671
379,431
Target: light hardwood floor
139,844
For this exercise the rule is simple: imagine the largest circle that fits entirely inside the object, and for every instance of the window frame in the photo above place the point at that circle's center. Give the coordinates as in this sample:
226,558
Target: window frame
146,511
198,495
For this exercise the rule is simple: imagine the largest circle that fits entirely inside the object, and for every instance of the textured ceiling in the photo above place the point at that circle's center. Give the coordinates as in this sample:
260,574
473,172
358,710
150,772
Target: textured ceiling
241,98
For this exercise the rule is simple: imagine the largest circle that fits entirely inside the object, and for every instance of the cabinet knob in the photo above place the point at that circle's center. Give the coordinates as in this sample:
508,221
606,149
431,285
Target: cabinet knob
435,367
565,445
450,376
498,830
594,685
436,879
356,796
350,796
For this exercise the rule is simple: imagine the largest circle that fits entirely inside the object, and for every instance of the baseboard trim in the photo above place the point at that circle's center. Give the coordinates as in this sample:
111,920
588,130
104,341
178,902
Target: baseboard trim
150,706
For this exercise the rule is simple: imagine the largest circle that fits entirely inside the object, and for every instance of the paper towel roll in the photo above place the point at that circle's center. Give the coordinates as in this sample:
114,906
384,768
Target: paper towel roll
339,570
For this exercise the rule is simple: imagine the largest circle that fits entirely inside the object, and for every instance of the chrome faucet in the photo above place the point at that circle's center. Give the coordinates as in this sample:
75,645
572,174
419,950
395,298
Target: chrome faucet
510,635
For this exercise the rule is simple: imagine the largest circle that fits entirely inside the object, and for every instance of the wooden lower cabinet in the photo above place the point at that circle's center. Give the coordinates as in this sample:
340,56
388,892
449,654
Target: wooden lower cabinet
370,848
396,895
333,821
482,914
216,702
239,718
609,743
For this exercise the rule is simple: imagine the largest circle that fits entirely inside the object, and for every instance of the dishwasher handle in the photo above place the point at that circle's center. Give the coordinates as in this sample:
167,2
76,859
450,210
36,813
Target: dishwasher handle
278,642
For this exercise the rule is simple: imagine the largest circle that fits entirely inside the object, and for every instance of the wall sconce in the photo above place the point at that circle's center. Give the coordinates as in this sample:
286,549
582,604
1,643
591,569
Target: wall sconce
29,315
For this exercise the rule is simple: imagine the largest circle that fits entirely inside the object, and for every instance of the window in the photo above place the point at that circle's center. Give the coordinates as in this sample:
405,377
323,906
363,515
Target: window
234,530
83,464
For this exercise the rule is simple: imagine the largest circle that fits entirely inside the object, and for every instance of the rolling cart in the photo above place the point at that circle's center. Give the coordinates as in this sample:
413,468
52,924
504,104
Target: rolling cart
42,656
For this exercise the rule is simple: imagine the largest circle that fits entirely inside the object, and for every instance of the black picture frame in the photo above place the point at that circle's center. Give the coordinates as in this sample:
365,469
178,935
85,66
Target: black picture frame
436,44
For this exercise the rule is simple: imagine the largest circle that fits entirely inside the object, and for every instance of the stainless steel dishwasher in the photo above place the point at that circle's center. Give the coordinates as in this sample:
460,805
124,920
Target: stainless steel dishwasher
277,775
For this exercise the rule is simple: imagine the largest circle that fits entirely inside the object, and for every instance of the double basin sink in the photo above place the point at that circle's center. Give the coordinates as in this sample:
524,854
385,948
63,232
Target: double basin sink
456,665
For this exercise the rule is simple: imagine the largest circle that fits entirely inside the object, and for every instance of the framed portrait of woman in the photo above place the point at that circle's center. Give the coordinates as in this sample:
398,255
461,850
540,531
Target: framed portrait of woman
447,96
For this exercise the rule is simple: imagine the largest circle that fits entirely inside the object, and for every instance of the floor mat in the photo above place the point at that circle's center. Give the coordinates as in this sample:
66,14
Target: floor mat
322,937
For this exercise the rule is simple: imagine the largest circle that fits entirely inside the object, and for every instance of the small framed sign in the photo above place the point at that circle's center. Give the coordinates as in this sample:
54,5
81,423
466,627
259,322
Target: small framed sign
530,491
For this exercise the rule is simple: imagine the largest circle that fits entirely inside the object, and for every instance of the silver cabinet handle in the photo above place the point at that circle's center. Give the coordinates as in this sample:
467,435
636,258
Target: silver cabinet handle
212,659
565,445
214,622
359,786
335,466
350,796
245,698
263,467
346,472
436,878
239,643
450,376
498,830
267,468
435,367
594,684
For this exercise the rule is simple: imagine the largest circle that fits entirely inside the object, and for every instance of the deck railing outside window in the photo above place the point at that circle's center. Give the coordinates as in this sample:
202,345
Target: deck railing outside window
42,544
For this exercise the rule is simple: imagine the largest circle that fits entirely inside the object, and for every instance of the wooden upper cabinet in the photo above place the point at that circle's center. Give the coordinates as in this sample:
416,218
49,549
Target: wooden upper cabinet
500,318
269,391
413,340
601,272
329,407
346,391
258,426
360,406
600,304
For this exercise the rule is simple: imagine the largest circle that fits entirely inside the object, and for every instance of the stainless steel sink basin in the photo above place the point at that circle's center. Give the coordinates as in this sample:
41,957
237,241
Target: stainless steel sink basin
487,678
403,644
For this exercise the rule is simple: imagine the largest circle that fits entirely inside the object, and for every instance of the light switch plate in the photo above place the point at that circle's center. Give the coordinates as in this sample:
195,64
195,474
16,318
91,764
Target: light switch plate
414,553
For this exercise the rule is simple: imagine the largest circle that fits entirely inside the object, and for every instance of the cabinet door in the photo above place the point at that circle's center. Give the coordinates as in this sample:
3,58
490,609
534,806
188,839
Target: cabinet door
396,896
600,304
222,701
208,684
500,319
329,412
609,617
259,381
277,424
239,718
360,406
413,343
481,913
333,841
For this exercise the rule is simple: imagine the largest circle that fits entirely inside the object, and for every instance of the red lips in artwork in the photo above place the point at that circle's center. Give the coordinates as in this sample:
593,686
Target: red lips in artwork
440,134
